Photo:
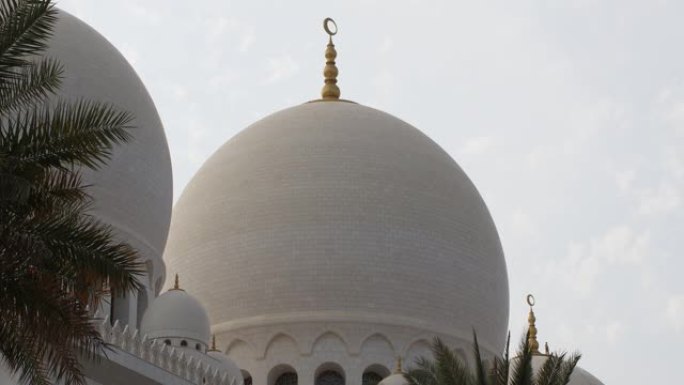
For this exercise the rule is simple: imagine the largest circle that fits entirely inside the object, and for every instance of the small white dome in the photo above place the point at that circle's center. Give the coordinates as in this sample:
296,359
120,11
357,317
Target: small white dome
226,364
176,314
394,379
579,376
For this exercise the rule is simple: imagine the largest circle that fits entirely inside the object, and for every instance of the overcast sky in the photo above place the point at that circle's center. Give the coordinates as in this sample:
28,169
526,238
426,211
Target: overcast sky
567,115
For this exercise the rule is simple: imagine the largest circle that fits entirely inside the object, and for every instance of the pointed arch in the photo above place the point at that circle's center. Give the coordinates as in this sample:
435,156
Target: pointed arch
373,374
419,347
240,348
329,342
330,373
282,374
378,343
281,344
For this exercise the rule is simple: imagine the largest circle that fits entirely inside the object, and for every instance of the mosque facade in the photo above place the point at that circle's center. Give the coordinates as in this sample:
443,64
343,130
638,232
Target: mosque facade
324,244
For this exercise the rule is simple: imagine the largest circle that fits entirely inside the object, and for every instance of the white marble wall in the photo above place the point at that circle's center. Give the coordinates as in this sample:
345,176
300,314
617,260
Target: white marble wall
308,348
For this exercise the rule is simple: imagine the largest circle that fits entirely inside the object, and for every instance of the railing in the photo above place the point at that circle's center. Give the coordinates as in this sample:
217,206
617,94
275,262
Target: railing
162,355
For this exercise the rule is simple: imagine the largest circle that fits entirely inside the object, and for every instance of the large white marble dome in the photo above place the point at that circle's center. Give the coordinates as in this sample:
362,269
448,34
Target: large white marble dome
331,214
133,192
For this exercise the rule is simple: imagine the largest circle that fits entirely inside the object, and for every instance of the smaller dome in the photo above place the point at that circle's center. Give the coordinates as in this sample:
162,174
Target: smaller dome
397,377
579,376
226,364
394,379
176,314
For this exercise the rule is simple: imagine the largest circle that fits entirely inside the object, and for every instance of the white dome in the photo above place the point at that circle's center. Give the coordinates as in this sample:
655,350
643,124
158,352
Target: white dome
335,211
224,363
394,379
176,314
134,191
579,376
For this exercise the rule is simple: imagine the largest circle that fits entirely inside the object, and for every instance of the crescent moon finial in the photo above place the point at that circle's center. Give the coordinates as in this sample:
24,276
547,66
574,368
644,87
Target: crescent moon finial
330,26
532,327
330,90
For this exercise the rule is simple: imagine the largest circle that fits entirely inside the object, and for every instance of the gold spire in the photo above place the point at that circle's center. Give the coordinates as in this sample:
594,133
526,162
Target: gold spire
176,284
397,368
531,319
213,344
330,90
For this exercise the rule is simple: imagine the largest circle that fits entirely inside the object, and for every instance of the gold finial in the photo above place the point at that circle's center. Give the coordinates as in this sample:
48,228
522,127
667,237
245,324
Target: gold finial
213,344
176,284
330,90
531,319
398,369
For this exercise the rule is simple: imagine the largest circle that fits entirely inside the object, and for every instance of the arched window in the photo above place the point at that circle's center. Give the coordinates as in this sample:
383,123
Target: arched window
184,343
330,377
371,378
373,374
168,342
246,376
198,347
289,378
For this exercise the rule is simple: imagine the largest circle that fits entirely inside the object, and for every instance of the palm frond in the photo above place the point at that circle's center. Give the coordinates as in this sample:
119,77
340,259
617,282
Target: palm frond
521,372
83,133
502,364
450,368
567,367
548,373
60,326
480,368
25,27
423,373
30,85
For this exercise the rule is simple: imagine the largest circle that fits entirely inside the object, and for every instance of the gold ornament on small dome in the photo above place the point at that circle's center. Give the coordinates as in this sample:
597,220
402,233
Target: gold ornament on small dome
330,90
398,368
213,344
531,319
176,284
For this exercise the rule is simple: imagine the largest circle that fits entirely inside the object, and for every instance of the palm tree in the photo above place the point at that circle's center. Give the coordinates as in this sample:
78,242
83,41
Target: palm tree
448,368
56,261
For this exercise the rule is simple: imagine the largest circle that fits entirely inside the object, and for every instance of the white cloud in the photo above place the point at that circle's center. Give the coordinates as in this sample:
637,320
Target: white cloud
659,200
586,261
477,145
625,180
522,224
280,68
386,46
220,29
675,312
622,244
150,15
674,162
614,331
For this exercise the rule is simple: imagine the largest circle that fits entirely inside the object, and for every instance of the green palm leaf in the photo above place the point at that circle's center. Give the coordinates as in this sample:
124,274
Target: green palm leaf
521,371
29,86
83,133
56,260
480,367
25,27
